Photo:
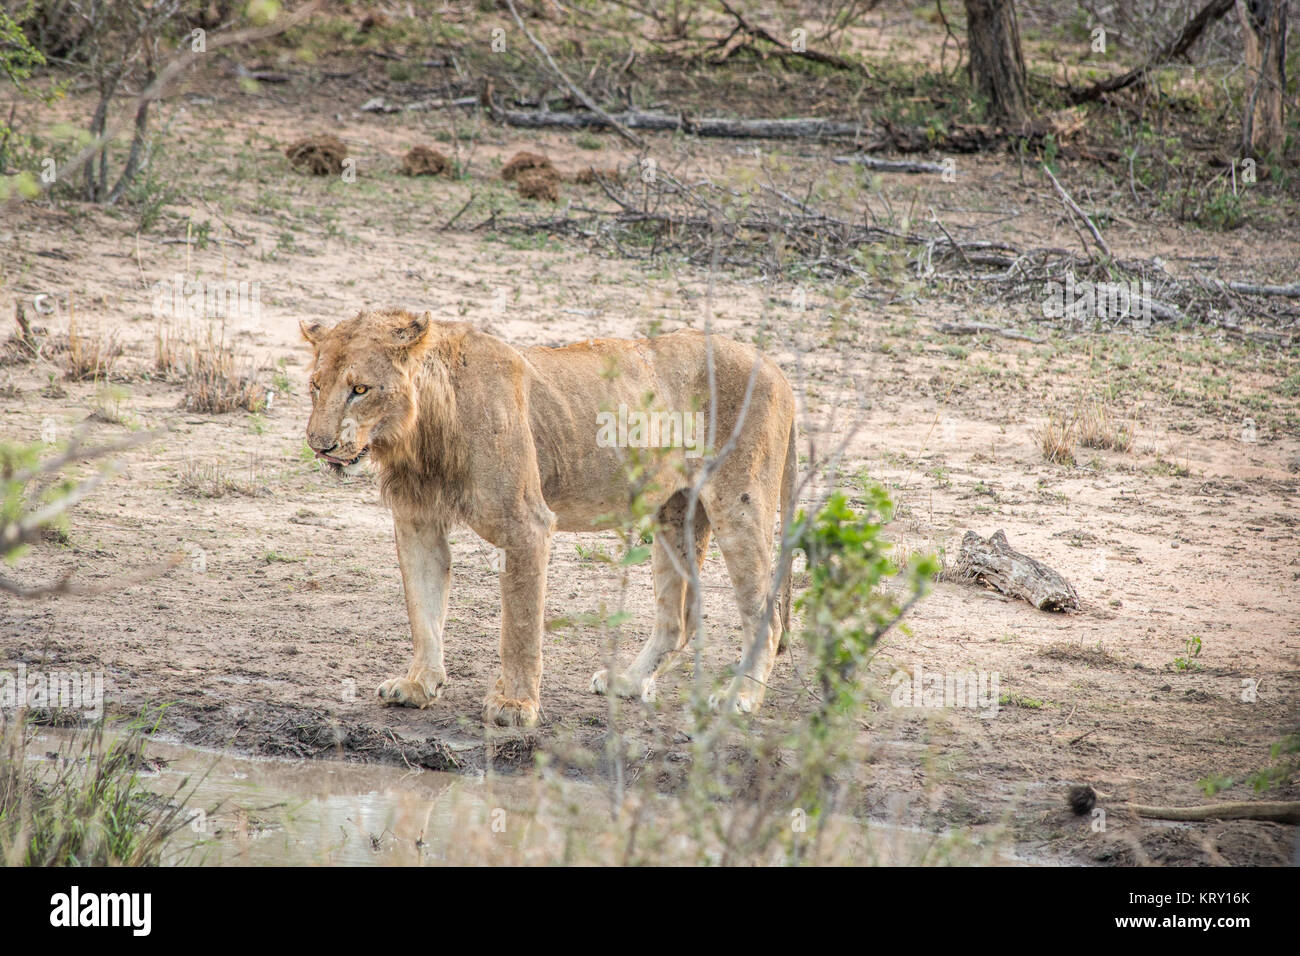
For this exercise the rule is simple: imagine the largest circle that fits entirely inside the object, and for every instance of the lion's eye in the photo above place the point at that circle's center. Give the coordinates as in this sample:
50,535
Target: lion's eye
360,389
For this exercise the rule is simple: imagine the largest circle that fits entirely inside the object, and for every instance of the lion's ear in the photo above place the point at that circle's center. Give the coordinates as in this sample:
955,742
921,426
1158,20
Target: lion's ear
313,332
413,333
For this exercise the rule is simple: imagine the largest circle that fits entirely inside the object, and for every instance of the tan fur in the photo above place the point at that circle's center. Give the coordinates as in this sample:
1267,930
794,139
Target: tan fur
464,428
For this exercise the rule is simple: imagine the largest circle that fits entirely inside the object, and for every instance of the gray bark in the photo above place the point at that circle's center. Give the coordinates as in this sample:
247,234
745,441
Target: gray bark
997,69
994,563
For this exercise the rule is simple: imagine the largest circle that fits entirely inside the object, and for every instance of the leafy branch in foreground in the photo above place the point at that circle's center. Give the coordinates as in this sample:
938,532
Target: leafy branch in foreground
845,609
782,788
34,498
1284,763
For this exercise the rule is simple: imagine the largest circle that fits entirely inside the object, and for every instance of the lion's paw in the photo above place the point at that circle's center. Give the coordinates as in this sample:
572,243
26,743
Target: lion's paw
624,686
416,689
509,712
745,702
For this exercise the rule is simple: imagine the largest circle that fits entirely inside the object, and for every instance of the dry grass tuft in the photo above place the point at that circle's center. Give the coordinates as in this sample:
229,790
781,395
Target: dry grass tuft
169,351
1056,437
216,377
1098,428
24,343
90,356
198,480
220,380
1096,656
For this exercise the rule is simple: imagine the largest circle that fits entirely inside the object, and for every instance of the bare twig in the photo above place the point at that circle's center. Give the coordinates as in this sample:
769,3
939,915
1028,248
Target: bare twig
1190,33
1071,205
760,33
576,90
155,89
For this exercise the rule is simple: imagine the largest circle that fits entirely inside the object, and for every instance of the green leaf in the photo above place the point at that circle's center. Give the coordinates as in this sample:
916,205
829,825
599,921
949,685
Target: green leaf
638,555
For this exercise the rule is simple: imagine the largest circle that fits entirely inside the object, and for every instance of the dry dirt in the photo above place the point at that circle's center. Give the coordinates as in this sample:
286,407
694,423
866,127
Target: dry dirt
274,642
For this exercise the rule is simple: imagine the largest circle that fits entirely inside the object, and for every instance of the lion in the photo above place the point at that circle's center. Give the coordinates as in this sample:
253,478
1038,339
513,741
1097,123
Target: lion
519,443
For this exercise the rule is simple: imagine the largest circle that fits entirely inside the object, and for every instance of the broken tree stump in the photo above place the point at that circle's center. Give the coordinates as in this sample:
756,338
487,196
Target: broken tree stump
993,562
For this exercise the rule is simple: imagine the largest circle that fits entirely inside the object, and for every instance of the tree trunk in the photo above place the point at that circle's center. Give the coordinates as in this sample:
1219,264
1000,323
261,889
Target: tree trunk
1264,23
997,70
137,144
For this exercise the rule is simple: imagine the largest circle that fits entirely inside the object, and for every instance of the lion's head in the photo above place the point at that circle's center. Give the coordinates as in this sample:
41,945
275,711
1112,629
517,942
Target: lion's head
362,399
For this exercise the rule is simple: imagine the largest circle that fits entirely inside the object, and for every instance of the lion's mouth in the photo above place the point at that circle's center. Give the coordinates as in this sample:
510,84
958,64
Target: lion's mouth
338,464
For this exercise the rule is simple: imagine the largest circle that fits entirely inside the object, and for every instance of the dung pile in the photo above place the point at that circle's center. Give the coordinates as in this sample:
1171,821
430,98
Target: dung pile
588,175
423,161
534,176
539,184
319,155
523,161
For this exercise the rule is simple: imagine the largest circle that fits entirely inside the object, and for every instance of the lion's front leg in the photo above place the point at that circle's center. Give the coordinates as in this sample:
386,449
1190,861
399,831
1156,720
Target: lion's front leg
514,699
425,559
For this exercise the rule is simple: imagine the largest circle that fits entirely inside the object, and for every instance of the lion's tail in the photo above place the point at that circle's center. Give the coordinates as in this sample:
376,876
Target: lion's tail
788,475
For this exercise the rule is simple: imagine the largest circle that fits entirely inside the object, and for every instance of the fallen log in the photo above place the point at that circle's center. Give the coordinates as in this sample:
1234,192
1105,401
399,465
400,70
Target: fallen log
1278,811
380,105
994,563
800,128
891,165
958,139
978,328
1291,291
1083,798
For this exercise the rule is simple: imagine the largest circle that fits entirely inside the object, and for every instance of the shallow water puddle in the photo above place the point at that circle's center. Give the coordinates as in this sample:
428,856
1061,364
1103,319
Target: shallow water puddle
265,811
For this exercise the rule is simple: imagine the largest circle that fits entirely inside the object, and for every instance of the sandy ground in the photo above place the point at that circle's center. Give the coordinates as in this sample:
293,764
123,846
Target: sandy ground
287,612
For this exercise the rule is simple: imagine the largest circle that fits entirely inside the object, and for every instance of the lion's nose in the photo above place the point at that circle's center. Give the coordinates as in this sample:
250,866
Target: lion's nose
317,443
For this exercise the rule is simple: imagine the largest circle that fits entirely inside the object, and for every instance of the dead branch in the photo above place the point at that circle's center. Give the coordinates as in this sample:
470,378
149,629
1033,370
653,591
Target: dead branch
1073,207
1291,291
993,562
979,328
890,165
1190,33
743,26
806,128
1278,811
66,584
379,104
576,90
27,526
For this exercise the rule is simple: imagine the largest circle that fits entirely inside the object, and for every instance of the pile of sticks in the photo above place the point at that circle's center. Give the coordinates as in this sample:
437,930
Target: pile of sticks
651,214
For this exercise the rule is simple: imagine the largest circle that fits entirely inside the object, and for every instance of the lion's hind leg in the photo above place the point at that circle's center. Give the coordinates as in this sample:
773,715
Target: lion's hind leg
674,602
743,521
